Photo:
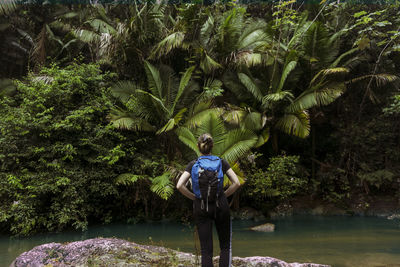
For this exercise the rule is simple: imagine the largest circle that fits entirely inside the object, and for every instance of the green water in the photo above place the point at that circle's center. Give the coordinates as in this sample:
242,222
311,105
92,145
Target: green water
339,241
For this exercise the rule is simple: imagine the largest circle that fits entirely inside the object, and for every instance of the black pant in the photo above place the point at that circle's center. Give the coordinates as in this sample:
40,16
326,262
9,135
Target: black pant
204,217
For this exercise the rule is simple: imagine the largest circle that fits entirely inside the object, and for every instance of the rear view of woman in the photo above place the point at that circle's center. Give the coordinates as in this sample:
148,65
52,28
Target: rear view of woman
210,203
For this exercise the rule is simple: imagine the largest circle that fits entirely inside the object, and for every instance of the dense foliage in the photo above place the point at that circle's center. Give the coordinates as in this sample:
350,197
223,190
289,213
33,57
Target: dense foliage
102,104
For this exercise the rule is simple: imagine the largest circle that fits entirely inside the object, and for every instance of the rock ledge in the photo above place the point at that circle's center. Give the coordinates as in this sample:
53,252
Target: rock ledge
117,252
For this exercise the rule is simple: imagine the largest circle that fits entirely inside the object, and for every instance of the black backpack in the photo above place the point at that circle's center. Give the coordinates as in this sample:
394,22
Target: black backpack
207,178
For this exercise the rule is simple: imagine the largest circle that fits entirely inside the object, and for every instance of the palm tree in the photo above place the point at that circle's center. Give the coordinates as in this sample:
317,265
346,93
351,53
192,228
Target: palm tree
227,39
8,6
279,101
159,108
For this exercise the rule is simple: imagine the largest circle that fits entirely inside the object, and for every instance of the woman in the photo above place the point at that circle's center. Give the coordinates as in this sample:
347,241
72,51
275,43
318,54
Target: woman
212,211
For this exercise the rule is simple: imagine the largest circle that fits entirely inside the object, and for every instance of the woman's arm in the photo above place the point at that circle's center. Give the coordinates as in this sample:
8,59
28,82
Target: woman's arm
181,186
235,184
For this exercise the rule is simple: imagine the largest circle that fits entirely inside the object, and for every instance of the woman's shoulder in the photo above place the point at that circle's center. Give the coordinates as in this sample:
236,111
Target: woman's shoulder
190,165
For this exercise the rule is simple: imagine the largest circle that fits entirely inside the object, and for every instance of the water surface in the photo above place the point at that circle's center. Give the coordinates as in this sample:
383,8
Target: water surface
339,241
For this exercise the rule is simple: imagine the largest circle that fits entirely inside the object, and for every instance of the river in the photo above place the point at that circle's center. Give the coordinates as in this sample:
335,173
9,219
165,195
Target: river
340,241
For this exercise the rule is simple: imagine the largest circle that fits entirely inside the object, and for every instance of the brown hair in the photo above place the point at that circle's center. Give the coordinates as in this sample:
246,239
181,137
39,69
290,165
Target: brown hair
205,143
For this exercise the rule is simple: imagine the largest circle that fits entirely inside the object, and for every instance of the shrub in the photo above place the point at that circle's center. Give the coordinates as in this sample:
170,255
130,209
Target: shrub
281,181
57,151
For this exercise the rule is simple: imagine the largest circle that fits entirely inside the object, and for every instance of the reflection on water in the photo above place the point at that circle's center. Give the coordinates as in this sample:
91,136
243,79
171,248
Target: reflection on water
339,241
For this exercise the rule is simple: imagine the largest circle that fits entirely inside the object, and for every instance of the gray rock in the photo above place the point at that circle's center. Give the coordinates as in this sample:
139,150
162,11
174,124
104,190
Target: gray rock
266,227
117,252
393,216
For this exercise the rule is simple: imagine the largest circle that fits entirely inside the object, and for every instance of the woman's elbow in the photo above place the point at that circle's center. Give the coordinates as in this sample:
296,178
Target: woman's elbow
237,184
179,186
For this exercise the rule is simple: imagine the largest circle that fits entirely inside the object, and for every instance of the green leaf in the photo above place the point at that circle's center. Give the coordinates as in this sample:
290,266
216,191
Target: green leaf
206,30
359,14
297,124
156,99
124,89
167,127
288,68
250,86
153,79
207,64
237,143
162,186
172,41
128,179
187,137
86,36
182,85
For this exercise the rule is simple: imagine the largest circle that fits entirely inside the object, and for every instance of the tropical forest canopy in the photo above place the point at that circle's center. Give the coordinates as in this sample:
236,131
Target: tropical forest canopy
102,103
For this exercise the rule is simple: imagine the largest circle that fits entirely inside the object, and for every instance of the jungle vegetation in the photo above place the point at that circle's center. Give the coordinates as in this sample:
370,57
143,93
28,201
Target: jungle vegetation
101,104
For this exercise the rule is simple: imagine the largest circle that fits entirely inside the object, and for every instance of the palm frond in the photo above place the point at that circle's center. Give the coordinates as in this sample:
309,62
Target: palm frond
380,79
232,23
317,46
213,125
302,26
234,115
270,99
126,121
100,26
8,6
167,127
124,89
232,82
331,71
263,137
172,122
157,101
251,59
172,41
208,65
316,98
251,86
182,85
236,144
297,124
339,58
187,137
286,71
254,121
86,36
200,113
253,36
206,30
162,185
153,79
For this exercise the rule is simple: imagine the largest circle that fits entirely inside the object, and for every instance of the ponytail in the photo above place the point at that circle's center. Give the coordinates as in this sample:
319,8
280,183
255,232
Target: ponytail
205,143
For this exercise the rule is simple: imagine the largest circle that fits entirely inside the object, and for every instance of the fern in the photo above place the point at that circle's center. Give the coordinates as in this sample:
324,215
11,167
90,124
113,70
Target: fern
128,179
162,185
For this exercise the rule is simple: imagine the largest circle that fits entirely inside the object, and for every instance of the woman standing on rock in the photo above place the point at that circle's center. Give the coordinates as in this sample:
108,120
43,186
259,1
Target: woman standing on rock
209,200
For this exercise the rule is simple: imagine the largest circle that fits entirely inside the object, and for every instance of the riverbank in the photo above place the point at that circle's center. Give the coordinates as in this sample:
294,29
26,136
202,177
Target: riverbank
118,252
340,241
358,205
